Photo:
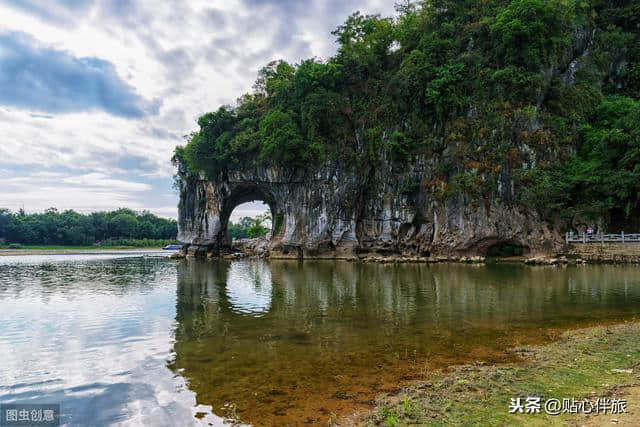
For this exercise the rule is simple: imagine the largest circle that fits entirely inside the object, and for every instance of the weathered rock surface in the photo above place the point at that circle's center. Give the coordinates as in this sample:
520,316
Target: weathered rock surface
253,247
337,211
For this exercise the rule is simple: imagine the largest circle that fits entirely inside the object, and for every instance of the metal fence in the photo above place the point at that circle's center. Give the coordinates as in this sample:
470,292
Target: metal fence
602,238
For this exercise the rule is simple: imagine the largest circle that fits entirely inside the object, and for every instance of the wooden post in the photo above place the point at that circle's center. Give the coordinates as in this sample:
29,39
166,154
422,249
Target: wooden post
601,237
566,237
623,237
584,237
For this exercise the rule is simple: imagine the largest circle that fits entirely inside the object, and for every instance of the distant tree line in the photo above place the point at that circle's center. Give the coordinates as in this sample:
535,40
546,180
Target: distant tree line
249,228
52,227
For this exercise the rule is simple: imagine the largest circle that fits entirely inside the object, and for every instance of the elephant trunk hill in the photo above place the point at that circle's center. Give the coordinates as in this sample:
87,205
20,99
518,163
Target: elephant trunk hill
454,127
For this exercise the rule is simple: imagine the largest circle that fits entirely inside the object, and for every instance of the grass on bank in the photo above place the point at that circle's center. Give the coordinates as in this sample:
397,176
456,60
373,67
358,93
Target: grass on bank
106,245
579,365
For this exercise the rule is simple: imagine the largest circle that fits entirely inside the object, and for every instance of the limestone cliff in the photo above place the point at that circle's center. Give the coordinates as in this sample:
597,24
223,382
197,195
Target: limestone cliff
338,211
443,132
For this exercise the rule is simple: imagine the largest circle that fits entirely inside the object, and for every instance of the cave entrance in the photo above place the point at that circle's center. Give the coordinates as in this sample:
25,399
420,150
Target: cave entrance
505,249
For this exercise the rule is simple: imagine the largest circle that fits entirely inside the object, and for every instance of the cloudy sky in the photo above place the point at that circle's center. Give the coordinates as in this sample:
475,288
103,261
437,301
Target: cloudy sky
95,94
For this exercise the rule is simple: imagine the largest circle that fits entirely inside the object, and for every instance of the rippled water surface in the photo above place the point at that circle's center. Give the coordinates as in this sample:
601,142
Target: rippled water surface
145,340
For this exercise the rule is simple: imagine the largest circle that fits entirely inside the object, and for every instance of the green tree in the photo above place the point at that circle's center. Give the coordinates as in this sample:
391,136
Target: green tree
146,229
237,231
531,33
72,228
605,173
208,148
282,141
123,225
257,230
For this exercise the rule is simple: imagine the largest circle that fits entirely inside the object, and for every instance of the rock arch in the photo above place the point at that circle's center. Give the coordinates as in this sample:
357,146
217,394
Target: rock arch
340,211
205,208
243,193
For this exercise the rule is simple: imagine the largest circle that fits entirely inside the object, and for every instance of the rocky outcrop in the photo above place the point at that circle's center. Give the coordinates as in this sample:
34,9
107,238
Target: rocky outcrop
257,247
339,211
342,209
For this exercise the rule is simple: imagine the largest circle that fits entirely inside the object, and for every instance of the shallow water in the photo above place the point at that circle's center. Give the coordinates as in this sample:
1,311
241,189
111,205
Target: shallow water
147,340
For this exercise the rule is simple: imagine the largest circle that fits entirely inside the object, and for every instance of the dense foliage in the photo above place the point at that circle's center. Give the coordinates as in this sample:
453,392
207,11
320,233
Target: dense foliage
602,180
543,93
240,229
117,228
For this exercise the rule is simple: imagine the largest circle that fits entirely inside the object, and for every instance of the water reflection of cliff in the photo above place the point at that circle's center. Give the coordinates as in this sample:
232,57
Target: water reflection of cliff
282,340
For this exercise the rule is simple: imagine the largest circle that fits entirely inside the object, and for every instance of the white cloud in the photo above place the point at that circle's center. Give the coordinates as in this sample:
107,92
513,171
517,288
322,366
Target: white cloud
250,209
100,180
93,191
188,57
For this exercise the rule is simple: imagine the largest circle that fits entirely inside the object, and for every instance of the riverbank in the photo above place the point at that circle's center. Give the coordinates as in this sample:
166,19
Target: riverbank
562,259
591,363
79,250
610,253
571,254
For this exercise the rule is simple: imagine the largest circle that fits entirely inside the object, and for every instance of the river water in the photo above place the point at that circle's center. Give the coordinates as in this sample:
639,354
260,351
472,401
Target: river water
126,339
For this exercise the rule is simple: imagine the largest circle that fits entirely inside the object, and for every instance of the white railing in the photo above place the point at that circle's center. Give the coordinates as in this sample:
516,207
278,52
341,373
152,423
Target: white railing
571,237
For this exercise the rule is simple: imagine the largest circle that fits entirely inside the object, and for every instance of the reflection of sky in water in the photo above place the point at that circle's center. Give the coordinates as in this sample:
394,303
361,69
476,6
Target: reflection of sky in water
94,335
96,332
249,287
77,257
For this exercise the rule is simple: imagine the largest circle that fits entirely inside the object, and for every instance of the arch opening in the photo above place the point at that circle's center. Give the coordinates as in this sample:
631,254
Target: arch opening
246,213
249,220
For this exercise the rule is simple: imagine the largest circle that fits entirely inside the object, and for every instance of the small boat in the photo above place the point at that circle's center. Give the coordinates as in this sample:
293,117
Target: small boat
172,247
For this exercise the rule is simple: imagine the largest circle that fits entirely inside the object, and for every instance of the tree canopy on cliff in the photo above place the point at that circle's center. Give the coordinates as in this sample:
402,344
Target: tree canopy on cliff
542,91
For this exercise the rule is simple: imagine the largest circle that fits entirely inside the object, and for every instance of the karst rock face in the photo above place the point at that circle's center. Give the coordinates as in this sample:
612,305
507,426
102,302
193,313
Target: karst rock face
340,211
349,208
